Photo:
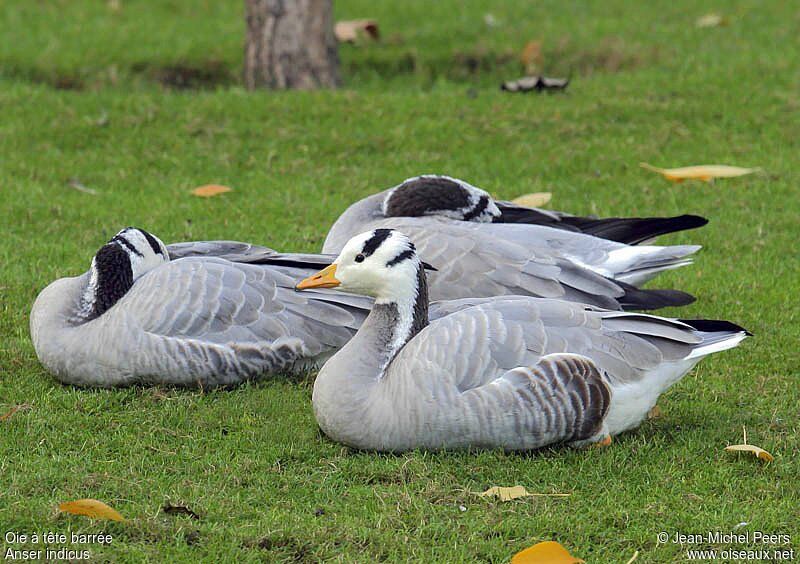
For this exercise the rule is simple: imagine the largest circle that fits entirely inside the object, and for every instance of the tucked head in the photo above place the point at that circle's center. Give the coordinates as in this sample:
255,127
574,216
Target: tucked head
142,250
435,195
382,263
117,265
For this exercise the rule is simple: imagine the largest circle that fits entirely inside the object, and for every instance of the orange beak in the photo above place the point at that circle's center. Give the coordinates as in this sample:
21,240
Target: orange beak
323,279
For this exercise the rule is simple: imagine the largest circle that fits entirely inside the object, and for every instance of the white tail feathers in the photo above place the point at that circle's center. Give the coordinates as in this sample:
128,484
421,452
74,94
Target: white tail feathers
716,341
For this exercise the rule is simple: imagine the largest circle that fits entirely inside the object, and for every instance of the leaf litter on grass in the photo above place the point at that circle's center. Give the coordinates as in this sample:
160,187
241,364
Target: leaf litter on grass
547,552
706,173
711,20
533,200
348,31
171,509
210,190
514,492
91,508
757,451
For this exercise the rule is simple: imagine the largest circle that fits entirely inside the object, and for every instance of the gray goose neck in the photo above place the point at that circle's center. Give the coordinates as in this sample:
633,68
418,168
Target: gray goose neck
398,322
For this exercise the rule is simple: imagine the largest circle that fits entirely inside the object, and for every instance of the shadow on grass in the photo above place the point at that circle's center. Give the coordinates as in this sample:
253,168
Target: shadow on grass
382,62
180,75
205,75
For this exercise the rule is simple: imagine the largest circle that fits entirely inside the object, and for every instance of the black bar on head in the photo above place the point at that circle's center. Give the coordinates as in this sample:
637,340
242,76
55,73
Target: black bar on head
372,244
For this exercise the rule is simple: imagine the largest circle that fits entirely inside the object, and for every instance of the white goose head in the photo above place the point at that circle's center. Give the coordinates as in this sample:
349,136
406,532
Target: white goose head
382,263
117,265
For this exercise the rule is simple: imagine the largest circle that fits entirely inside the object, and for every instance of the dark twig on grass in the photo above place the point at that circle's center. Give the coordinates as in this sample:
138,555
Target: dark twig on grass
170,509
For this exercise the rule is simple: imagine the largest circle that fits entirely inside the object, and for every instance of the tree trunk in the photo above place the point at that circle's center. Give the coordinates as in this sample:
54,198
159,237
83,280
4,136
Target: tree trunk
290,44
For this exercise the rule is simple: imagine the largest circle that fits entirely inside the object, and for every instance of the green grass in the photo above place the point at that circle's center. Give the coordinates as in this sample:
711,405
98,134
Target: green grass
82,96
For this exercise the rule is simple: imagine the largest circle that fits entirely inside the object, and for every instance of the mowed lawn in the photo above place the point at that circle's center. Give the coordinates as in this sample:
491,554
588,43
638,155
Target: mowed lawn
90,91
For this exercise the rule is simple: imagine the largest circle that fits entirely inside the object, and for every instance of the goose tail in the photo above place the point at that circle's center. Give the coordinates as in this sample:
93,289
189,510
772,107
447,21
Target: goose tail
636,265
635,230
628,230
647,299
717,336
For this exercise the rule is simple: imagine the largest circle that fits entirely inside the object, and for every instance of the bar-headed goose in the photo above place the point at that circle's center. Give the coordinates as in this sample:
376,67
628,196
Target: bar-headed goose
138,317
511,372
482,247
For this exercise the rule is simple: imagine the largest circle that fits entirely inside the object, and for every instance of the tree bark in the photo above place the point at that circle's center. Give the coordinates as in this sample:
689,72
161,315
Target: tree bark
290,44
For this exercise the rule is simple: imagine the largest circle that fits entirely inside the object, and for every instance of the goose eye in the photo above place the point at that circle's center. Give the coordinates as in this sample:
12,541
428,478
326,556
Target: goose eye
359,258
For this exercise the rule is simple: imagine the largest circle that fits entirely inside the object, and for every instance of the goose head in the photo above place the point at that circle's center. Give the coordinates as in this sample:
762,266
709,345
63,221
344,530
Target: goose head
436,195
126,257
382,263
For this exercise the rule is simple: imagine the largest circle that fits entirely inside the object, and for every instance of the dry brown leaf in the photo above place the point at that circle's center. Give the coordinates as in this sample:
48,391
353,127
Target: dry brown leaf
13,410
90,508
547,552
745,447
348,31
700,172
210,190
533,200
514,492
711,20
531,56
654,413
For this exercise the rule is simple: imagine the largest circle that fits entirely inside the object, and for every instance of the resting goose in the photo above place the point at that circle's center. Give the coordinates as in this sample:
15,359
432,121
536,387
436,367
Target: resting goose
512,372
485,248
200,313
138,317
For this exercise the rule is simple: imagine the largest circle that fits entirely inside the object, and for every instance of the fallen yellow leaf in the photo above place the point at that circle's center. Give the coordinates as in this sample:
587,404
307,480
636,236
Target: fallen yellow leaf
654,413
349,30
701,172
758,451
547,552
745,447
514,492
711,20
533,200
90,508
210,190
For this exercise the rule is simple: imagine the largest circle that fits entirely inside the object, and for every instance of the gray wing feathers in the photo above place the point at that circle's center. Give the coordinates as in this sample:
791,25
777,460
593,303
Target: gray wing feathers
563,397
223,322
474,260
230,250
506,333
523,372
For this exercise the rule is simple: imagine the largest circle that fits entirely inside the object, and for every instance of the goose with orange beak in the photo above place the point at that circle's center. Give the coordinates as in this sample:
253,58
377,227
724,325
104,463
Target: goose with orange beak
325,278
511,372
